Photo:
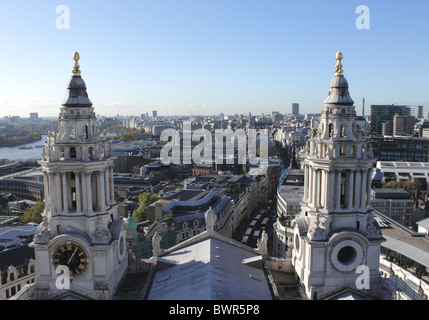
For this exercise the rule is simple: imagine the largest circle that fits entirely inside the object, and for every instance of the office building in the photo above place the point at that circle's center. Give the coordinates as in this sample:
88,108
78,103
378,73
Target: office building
382,113
399,148
295,109
398,205
403,125
419,112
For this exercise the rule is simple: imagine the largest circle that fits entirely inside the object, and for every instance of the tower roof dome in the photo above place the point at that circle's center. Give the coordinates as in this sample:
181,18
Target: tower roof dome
77,95
339,88
132,224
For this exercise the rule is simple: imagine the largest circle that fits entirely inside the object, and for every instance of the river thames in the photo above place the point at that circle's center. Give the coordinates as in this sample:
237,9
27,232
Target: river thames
14,153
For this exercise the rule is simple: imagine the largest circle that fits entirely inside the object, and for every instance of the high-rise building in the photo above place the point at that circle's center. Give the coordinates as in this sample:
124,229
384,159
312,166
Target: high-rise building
382,113
403,125
154,114
400,148
34,115
295,109
419,112
81,234
335,232
387,128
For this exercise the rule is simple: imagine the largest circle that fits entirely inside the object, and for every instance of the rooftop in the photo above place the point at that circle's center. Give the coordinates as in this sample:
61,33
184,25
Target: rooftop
403,240
210,269
424,223
293,193
187,195
387,193
402,165
16,235
15,256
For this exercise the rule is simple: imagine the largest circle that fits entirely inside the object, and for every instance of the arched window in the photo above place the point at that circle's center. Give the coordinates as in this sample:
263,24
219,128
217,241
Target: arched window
343,150
91,153
331,130
72,153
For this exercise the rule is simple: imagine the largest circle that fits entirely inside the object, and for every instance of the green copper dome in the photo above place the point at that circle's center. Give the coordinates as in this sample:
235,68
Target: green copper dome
132,224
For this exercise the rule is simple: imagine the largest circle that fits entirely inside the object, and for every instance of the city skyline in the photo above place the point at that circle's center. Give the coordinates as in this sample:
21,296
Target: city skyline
210,57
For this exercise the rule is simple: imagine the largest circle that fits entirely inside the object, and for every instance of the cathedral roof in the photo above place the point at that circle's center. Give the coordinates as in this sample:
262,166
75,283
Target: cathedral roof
210,269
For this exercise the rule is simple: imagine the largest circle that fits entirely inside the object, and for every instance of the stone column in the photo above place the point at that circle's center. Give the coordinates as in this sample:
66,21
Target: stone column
350,189
320,189
78,192
338,191
331,190
57,192
65,192
305,182
310,185
89,191
363,195
84,192
51,192
325,189
357,189
112,188
102,191
106,185
46,190
368,187
314,189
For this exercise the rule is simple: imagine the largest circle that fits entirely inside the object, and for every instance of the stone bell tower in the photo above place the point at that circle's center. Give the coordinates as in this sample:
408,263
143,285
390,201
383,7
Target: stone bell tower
335,232
81,229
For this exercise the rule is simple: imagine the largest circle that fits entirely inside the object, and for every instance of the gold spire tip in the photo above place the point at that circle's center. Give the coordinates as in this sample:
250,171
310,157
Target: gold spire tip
339,68
76,67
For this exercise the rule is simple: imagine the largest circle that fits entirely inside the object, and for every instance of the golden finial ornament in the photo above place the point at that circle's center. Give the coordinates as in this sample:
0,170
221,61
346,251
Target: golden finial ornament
339,68
76,67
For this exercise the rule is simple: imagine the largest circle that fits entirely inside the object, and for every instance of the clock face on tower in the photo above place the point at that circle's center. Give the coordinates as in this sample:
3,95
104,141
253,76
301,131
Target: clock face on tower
71,256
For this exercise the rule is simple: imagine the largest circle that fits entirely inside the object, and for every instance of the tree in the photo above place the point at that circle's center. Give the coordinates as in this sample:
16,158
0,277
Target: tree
131,135
34,213
4,206
145,199
407,185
